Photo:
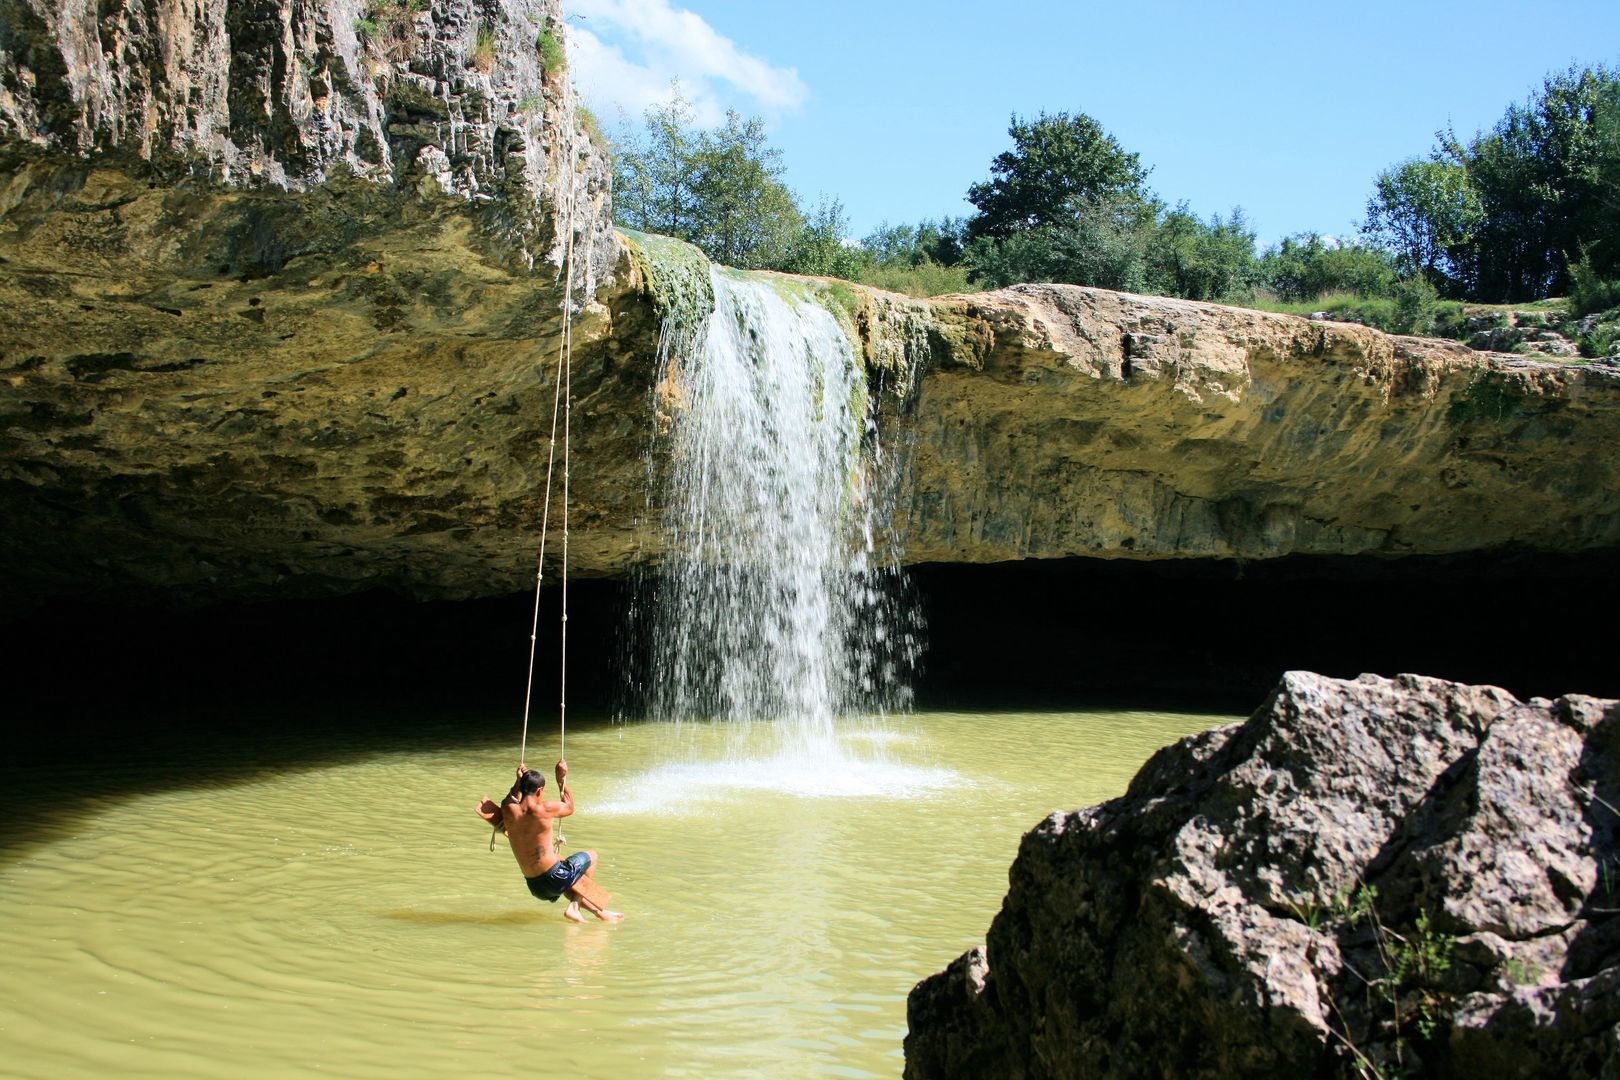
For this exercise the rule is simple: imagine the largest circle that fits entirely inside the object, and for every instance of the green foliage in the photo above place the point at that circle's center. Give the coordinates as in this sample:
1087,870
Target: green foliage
1600,341
1499,216
1419,315
553,58
1199,261
1059,169
1104,245
1305,267
592,128
387,25
1588,291
1421,210
1067,204
483,50
720,190
1410,979
1520,973
819,247
923,279
921,260
1416,965
1415,299
938,242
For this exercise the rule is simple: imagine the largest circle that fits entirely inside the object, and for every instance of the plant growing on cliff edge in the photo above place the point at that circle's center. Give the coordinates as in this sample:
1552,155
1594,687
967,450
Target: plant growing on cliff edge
593,129
482,56
387,25
553,60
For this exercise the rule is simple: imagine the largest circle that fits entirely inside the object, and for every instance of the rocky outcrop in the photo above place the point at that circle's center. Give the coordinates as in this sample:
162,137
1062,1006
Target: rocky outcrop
1070,421
1378,874
280,291
281,298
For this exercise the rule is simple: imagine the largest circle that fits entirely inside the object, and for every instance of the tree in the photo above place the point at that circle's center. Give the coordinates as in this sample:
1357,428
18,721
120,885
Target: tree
1307,266
1060,167
939,242
821,247
1199,261
1502,215
652,171
1421,211
720,189
1105,245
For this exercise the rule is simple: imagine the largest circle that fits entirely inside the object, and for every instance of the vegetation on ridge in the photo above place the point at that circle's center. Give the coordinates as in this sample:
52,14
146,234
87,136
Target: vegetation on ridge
1527,210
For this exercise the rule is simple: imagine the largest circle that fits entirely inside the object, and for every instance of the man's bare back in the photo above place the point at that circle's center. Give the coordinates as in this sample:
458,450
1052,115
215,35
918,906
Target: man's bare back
530,825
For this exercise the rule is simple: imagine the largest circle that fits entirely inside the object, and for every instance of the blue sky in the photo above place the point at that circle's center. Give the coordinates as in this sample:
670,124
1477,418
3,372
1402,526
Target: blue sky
1288,110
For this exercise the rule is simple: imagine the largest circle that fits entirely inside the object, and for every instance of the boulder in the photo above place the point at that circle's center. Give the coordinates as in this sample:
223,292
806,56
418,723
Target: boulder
1367,876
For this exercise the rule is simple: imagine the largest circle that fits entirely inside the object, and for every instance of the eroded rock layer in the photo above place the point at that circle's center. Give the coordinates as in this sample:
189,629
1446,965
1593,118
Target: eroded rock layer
1394,874
281,294
1071,421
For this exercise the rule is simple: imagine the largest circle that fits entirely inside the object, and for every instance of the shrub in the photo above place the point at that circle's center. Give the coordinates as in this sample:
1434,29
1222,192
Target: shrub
1307,266
483,50
553,60
1415,300
1588,292
924,279
592,127
1601,341
1105,246
387,25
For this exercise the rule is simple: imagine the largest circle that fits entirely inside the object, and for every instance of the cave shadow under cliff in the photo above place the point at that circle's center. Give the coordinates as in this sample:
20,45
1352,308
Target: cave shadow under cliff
1217,634
228,691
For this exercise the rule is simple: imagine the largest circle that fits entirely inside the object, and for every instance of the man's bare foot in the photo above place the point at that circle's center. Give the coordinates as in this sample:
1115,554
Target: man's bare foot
571,913
609,916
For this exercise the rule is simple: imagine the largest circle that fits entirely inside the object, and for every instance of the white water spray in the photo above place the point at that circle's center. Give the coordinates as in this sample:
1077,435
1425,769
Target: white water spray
772,601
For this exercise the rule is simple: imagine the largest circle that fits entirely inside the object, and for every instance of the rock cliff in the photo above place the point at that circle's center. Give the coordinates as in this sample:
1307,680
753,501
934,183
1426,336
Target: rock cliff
280,288
1070,421
280,303
1380,874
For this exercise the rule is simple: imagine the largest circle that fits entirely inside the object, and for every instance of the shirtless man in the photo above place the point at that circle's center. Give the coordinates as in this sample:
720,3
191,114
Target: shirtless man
530,823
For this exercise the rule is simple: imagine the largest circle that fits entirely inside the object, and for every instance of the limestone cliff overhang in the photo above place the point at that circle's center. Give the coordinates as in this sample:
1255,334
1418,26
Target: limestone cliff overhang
280,312
1071,421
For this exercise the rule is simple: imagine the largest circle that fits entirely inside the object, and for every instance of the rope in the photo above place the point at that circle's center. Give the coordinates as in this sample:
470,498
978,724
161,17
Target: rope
564,374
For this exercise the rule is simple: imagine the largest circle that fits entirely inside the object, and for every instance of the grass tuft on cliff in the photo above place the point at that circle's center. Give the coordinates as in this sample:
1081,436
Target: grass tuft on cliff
387,25
482,56
553,59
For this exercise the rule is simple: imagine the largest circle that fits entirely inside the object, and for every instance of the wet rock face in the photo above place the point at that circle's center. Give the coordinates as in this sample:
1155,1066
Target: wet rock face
1400,873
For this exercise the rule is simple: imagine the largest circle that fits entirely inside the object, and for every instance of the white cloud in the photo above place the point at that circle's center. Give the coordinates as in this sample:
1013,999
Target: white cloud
624,53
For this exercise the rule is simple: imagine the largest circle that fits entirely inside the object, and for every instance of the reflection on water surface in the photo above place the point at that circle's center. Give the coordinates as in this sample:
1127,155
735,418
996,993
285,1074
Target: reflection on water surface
342,914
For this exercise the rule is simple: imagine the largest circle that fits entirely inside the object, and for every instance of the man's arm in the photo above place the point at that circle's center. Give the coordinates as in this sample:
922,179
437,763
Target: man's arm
491,812
563,807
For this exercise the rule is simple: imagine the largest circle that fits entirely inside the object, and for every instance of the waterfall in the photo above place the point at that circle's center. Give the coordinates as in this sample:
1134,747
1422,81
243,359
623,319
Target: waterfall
775,599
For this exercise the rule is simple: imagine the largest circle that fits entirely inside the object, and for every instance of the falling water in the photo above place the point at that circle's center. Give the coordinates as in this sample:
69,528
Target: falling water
775,600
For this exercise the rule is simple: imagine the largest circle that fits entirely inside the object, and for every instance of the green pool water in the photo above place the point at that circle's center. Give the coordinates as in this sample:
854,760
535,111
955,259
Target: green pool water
326,903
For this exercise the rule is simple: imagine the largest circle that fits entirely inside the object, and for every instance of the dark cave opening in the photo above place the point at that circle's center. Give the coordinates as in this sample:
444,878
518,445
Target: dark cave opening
1209,635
